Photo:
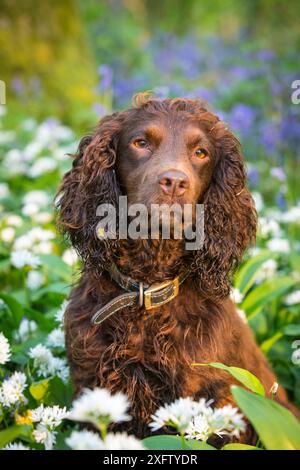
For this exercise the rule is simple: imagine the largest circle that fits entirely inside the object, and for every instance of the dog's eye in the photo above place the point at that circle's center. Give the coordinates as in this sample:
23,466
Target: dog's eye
201,153
140,143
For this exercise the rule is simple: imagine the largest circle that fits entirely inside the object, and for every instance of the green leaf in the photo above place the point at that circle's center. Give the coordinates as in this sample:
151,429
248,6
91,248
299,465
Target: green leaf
57,266
277,428
14,306
58,393
20,351
11,433
60,443
198,445
291,330
239,447
268,343
245,277
165,442
39,318
242,375
295,261
265,293
4,264
61,288
39,389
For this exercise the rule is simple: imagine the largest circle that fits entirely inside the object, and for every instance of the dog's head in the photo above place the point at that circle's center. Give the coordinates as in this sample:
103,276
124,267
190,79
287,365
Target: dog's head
163,151
165,154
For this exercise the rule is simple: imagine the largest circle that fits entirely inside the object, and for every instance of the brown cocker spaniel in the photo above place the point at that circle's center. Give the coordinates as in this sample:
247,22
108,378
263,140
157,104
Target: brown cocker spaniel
160,151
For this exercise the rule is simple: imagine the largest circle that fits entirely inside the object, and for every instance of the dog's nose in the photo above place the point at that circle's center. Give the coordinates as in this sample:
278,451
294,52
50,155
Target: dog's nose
173,182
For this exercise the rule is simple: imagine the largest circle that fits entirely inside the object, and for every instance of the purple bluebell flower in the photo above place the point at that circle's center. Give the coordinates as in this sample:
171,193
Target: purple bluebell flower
280,201
290,129
100,109
52,122
17,85
188,57
278,173
161,91
164,52
266,55
276,86
242,118
124,88
253,176
221,115
203,93
176,89
240,72
106,76
269,133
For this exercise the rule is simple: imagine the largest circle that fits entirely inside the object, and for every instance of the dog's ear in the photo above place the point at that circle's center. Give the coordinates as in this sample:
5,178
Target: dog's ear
91,182
230,218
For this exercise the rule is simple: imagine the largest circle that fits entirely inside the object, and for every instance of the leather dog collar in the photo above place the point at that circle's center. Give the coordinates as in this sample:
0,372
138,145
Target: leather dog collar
139,294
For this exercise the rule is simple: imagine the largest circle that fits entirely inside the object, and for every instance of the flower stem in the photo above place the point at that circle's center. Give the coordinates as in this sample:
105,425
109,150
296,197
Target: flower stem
103,430
183,442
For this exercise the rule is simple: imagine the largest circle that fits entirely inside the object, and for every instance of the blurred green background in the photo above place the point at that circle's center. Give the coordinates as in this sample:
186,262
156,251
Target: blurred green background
51,51
77,60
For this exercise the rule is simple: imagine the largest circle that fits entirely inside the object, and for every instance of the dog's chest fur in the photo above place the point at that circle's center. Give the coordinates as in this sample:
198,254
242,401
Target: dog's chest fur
148,355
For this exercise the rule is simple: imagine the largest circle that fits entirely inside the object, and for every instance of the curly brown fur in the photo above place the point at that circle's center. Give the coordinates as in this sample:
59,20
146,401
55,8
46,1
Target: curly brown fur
149,354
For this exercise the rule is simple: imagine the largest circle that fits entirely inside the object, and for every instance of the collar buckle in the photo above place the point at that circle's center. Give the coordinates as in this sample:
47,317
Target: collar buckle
161,293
